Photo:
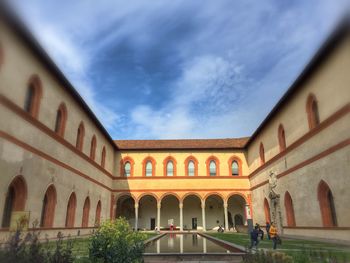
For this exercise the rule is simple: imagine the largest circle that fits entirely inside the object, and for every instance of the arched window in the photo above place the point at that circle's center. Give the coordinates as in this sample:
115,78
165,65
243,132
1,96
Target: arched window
86,211
312,111
33,96
149,168
98,213
71,207
93,148
267,211
15,199
288,204
190,168
103,157
127,169
234,168
170,168
61,118
48,209
80,137
281,138
326,201
262,154
212,166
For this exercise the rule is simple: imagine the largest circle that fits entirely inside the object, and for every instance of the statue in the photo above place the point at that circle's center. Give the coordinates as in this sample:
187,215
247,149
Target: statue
272,185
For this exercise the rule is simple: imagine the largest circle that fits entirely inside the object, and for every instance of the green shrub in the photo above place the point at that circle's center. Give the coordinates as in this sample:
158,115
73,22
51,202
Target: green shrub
114,242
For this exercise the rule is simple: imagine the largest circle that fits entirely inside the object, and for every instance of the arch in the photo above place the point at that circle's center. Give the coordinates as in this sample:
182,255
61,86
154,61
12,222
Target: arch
217,163
146,194
103,157
213,193
98,213
15,199
170,193
49,205
267,211
166,167
127,159
191,193
61,119
327,207
230,163
195,162
262,153
288,204
144,163
71,207
238,194
86,212
33,96
312,111
93,147
125,194
281,138
80,136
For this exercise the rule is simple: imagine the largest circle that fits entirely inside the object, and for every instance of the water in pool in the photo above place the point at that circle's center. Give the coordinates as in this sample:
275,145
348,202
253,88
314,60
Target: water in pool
184,243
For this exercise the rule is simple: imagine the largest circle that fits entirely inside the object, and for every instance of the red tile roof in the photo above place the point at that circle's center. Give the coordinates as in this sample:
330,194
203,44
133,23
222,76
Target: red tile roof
182,144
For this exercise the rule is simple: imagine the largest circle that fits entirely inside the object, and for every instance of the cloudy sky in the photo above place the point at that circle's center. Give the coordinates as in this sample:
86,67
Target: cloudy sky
181,69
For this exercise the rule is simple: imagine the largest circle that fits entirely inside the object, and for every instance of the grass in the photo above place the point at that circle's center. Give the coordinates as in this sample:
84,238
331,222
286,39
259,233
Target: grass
289,246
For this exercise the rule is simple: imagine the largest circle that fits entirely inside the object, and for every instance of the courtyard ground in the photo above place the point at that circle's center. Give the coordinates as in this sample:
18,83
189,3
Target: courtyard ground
290,246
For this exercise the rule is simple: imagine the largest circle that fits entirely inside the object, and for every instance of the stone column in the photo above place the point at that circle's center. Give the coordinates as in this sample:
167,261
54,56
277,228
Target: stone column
181,244
158,246
204,245
158,215
136,216
203,215
226,216
247,213
181,216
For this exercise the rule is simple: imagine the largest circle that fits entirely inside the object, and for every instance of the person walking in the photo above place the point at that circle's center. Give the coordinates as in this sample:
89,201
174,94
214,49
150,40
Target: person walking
254,237
273,234
268,230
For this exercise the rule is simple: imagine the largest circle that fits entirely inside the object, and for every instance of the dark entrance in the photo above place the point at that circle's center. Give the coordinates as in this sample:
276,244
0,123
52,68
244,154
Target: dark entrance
194,223
153,223
238,220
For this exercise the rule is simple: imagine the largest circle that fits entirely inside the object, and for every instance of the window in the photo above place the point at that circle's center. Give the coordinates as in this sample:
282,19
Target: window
48,209
170,168
191,168
93,148
281,138
86,211
262,154
71,206
33,96
267,211
15,199
98,213
288,204
149,168
103,157
327,207
312,111
234,168
127,169
212,168
80,137
61,118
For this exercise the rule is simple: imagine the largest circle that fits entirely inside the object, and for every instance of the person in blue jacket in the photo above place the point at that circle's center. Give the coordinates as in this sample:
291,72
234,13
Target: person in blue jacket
254,237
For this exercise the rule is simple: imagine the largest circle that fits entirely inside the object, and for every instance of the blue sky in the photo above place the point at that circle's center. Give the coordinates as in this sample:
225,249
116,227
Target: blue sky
181,69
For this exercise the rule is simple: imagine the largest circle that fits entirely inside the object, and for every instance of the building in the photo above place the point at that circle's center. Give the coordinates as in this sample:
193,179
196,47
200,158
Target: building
60,167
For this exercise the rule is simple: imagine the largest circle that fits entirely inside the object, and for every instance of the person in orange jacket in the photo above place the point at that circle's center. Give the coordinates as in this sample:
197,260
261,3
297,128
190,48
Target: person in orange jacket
273,234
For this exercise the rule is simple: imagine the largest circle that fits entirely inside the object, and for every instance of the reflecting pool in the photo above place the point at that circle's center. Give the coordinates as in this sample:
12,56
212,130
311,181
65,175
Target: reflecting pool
185,243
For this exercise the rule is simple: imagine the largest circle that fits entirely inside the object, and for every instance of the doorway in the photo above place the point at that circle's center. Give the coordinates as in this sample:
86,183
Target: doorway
194,223
153,223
